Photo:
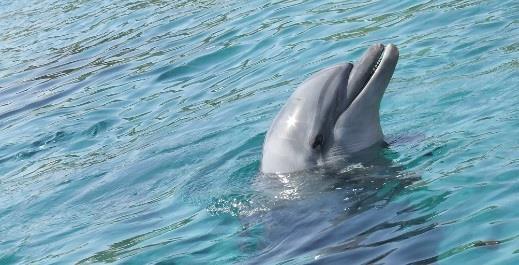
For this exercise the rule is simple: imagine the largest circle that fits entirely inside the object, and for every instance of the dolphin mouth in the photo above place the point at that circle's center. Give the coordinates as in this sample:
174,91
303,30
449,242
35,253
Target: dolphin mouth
376,65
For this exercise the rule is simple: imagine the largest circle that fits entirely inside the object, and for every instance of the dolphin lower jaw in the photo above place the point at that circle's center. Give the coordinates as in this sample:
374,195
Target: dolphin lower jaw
359,126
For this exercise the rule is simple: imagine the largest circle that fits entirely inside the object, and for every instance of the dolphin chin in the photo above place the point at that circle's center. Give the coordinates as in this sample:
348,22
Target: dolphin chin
335,111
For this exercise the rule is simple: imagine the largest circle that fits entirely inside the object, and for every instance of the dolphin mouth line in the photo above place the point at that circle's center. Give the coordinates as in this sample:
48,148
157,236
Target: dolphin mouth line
376,65
373,69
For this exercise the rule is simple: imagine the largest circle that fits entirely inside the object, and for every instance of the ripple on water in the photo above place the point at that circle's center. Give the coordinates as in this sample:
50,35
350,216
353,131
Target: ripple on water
132,132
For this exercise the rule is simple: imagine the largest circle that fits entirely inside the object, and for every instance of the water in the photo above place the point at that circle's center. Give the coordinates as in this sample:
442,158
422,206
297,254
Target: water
131,133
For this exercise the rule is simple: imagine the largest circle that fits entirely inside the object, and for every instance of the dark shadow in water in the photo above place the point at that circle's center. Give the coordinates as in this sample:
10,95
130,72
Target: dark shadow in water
351,213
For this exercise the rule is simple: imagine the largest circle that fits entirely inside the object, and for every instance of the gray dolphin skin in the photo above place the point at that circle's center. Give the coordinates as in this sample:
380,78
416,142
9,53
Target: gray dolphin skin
332,114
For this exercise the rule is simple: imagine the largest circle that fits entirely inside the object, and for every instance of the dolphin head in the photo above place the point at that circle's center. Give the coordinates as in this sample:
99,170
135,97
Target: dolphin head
336,109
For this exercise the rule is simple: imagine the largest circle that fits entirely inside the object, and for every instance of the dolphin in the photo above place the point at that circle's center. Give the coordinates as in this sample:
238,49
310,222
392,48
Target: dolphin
334,113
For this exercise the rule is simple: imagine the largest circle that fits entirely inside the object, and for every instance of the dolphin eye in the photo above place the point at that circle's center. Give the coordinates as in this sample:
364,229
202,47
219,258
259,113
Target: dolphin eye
317,141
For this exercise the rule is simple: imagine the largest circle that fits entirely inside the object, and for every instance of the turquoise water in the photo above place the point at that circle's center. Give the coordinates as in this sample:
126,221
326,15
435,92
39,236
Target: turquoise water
131,133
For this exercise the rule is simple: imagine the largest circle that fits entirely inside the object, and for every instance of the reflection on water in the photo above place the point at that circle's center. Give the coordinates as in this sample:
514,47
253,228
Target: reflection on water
352,213
131,132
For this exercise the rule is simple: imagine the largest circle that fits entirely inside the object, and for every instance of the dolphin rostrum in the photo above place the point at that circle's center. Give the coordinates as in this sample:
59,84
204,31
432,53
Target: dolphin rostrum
333,113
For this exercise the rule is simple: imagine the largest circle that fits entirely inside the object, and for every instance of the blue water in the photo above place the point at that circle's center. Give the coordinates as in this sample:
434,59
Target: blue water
131,132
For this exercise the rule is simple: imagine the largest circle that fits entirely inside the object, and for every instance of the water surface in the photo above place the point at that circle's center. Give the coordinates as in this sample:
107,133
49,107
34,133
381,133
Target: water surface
131,133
